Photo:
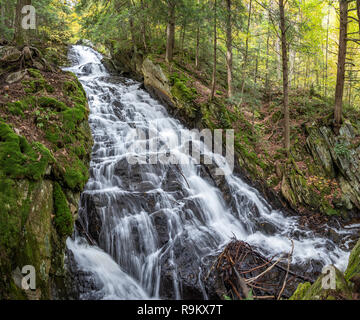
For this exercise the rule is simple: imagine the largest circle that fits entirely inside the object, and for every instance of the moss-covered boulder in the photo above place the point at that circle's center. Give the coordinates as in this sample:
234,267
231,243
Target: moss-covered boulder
353,269
45,146
316,291
157,82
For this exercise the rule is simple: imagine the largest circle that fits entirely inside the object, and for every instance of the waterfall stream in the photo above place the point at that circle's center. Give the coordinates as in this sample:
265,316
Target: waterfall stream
155,224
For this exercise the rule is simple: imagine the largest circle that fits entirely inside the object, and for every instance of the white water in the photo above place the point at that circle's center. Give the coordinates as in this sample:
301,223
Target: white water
128,265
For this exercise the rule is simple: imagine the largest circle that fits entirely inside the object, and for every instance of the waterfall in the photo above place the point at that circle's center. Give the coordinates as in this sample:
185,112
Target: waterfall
156,224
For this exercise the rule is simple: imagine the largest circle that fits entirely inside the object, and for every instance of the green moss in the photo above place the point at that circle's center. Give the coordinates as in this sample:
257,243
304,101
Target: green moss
10,220
36,83
35,73
73,116
316,291
301,290
17,108
19,159
354,263
76,175
51,103
63,217
27,235
75,91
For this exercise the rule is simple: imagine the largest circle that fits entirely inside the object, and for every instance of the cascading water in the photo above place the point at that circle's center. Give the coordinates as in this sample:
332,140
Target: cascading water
154,224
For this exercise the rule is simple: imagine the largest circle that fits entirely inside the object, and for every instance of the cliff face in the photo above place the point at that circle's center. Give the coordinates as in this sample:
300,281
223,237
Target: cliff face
45,146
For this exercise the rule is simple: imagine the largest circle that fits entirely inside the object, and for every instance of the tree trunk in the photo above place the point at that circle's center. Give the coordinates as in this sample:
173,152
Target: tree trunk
197,41
339,91
267,60
170,40
20,35
284,51
132,32
229,53
197,47
143,25
183,38
246,51
358,12
327,53
213,86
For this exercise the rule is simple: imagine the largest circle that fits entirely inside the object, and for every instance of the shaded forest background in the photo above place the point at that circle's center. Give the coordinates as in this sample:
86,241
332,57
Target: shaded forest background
243,44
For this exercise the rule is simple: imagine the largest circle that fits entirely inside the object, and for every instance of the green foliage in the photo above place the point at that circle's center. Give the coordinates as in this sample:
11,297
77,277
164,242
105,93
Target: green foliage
63,217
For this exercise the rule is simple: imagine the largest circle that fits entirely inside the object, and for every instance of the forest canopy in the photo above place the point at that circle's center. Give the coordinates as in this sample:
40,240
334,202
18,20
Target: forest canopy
247,46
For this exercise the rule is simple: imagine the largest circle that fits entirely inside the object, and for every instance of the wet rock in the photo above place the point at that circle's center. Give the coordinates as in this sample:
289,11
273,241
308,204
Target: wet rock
186,267
110,65
160,221
90,214
268,228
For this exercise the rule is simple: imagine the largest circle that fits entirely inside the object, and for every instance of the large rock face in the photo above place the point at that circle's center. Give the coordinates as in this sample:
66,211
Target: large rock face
44,160
335,171
339,156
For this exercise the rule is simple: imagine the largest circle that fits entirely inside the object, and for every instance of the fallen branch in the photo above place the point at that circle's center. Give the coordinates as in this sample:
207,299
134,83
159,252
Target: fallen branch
266,271
288,269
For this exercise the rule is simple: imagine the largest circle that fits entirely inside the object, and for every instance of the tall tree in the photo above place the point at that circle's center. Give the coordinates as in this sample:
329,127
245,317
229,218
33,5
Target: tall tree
244,64
170,38
285,71
229,49
340,80
197,38
213,83
20,35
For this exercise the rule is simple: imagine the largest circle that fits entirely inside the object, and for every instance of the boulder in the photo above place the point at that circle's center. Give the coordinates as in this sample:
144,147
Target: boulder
85,42
156,82
316,291
16,76
8,54
353,269
109,65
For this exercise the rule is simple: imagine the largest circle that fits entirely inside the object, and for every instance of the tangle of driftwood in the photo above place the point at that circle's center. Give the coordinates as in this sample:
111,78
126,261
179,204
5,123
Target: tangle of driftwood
240,276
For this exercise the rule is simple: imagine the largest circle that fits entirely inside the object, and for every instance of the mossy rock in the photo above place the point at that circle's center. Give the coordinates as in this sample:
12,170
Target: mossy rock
353,268
306,291
20,159
36,83
63,217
